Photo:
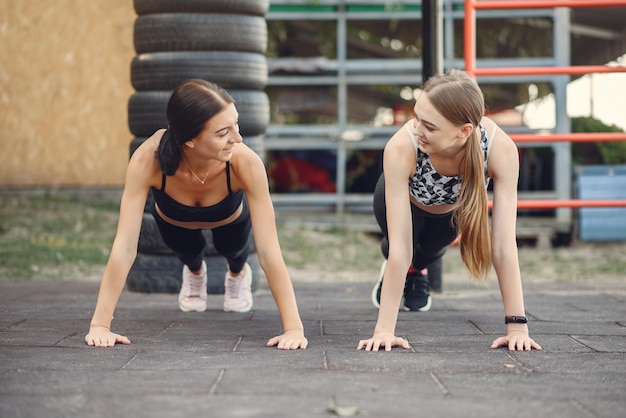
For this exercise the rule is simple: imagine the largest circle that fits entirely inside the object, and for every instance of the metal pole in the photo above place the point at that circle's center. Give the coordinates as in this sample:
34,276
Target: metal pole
432,39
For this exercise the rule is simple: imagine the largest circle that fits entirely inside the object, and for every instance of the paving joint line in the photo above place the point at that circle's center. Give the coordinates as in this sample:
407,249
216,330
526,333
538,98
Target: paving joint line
583,408
166,328
410,345
64,338
131,359
442,387
218,380
239,340
472,323
519,363
16,324
571,337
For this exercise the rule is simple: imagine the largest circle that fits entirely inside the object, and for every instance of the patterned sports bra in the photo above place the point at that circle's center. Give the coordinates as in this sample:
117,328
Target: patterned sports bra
431,188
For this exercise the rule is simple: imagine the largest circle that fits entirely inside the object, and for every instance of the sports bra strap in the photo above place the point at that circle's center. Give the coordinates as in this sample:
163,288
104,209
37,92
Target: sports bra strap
230,191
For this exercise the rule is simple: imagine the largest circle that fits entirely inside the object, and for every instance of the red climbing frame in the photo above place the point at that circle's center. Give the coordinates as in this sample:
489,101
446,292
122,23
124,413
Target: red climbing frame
470,66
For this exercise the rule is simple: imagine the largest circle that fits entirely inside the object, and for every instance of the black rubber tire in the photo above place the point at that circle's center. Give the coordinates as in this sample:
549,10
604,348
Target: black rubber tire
254,111
200,32
147,111
228,69
162,273
252,7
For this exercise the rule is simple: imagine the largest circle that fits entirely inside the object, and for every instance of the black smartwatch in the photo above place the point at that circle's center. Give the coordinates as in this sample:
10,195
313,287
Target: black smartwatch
515,320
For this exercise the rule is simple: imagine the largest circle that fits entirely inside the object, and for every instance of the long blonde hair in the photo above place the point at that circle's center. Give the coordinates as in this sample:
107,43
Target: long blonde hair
459,99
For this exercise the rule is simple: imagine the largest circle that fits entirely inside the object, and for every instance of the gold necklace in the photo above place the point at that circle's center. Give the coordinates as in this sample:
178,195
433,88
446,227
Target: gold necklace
194,174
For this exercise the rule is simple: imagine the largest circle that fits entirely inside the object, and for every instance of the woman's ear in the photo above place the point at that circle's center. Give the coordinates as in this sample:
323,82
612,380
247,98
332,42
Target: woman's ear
466,130
190,144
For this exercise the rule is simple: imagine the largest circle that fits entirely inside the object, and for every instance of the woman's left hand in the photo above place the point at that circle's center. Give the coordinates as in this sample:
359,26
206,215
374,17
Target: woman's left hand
290,340
516,341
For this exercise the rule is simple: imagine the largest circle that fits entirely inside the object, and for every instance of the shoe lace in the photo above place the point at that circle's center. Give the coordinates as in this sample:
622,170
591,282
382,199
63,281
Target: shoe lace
233,287
194,286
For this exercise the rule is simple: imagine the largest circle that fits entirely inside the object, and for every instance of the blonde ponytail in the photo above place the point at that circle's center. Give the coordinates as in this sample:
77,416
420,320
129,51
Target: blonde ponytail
472,214
459,99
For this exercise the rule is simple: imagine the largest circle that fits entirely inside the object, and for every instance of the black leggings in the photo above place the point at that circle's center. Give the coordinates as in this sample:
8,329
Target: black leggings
431,233
231,240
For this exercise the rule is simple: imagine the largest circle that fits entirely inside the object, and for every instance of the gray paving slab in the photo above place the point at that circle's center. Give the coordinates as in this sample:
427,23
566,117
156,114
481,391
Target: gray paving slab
216,364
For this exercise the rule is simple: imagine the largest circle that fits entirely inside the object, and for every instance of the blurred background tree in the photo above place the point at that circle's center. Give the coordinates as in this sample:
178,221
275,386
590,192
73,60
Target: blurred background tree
587,153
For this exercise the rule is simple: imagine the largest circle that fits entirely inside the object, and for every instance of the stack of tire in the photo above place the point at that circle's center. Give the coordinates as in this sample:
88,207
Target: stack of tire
222,41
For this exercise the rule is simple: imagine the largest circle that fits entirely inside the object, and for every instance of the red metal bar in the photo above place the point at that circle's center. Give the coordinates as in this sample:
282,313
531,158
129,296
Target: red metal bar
568,203
469,45
536,4
469,35
571,70
575,137
469,49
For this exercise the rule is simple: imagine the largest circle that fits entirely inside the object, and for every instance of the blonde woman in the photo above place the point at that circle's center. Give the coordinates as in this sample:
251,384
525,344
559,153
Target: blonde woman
202,177
434,187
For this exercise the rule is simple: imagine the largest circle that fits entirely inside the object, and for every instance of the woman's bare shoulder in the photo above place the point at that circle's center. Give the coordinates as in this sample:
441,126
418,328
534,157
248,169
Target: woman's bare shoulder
144,160
401,140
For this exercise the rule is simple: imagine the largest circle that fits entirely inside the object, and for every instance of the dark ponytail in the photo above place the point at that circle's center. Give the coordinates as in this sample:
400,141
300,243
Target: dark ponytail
169,153
192,104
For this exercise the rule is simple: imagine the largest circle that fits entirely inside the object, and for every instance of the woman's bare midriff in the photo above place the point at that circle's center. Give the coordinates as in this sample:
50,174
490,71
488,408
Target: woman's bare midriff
434,209
200,225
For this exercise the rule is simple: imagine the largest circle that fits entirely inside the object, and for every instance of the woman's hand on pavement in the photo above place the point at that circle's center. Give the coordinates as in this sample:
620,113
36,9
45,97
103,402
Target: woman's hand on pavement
290,340
516,341
103,337
384,340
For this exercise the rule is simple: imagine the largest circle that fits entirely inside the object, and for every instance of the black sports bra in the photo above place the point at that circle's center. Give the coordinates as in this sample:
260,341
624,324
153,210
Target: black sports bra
183,213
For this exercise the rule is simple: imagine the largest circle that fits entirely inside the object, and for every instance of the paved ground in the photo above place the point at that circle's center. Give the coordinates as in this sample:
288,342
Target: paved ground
215,364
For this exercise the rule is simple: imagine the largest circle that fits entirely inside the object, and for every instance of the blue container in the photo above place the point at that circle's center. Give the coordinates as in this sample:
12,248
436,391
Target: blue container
599,182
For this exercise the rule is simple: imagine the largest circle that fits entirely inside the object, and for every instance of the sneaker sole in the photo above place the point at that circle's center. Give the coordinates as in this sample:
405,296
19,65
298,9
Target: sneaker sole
378,285
191,309
247,309
424,308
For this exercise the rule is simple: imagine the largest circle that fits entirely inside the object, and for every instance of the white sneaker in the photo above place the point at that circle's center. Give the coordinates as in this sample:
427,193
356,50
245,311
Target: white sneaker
192,296
379,285
238,291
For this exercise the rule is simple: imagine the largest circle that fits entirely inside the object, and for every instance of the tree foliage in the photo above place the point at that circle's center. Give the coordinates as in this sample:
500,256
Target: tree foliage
597,152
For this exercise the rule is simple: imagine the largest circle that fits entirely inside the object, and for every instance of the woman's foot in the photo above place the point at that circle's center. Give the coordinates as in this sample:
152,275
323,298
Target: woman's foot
192,296
238,290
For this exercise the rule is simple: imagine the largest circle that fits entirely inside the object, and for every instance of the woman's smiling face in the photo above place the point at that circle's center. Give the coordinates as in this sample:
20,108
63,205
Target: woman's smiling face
433,131
220,134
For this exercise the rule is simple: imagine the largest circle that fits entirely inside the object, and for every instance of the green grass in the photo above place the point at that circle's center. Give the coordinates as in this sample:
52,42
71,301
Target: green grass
329,249
52,235
57,236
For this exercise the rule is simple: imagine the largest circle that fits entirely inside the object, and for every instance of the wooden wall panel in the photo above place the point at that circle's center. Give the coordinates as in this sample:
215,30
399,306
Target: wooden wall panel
64,88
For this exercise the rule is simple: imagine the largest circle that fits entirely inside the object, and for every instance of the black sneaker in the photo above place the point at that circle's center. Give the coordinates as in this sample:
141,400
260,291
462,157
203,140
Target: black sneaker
416,292
379,285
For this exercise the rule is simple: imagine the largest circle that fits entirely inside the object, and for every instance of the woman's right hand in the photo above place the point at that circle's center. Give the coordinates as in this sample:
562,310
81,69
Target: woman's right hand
383,339
103,337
